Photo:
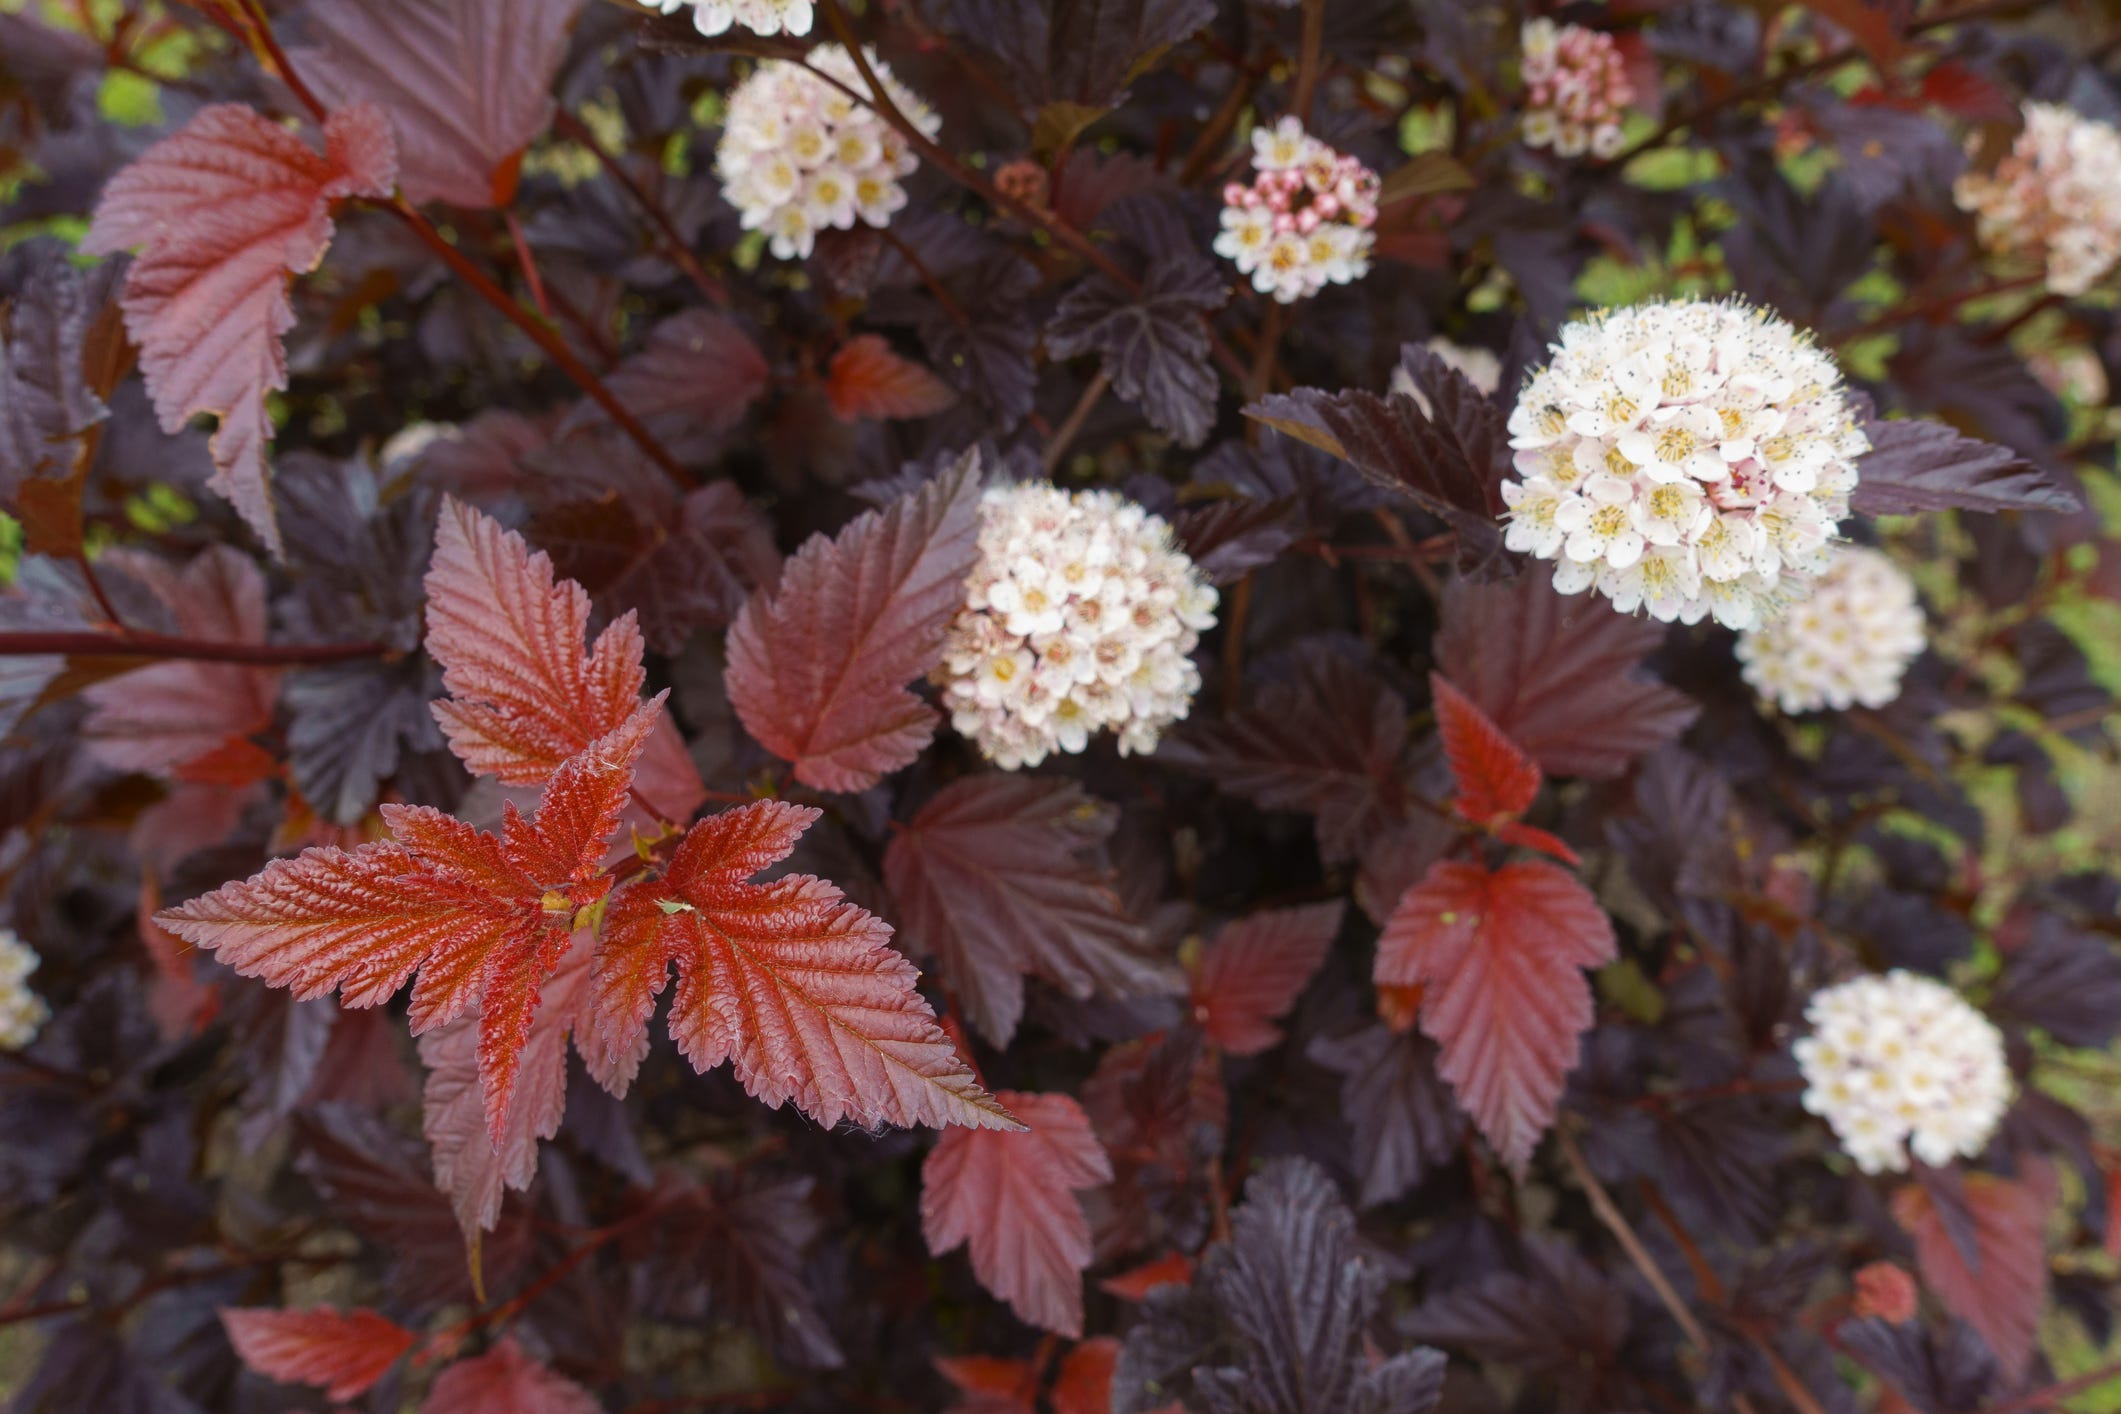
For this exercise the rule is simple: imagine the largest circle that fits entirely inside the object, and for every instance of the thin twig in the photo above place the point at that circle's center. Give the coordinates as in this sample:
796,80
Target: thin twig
162,646
1616,1223
1065,433
928,277
1307,59
543,335
2049,1396
674,246
528,263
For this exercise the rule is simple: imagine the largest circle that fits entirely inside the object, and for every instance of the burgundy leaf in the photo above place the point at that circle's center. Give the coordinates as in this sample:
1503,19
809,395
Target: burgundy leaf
2002,1294
467,83
224,213
1919,465
341,1353
818,667
992,877
506,1381
1559,675
1013,1197
1256,968
867,379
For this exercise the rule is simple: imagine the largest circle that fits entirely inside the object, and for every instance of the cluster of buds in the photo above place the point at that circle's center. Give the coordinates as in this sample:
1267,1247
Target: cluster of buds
1081,617
1577,89
22,1012
1847,644
798,155
2055,197
1687,459
1900,1061
1304,222
758,16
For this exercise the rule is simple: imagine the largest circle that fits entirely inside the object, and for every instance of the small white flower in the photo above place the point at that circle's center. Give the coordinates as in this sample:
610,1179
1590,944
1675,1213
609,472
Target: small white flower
1899,1062
2056,197
758,16
22,1012
797,156
1847,644
1304,221
1081,617
1707,429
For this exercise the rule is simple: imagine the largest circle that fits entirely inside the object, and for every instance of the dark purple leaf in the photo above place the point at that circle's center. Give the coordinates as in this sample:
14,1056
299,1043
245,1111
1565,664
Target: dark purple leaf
1918,465
1154,346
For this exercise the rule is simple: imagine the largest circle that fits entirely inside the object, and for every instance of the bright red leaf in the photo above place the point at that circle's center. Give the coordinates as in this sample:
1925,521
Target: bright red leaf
1496,781
2000,1296
1084,1385
1559,675
1135,1284
180,1003
818,668
469,1166
224,213
991,876
1013,1197
483,918
1256,968
990,1384
343,1353
524,695
506,1381
798,988
467,83
868,380
178,718
1497,955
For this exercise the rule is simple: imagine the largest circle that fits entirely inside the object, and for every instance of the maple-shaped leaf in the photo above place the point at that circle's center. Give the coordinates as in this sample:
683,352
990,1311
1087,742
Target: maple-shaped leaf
1277,1317
482,918
506,1381
991,876
797,987
1012,1197
1153,345
866,379
524,694
467,83
818,668
1559,676
342,1352
224,213
1916,465
1449,455
1321,734
54,350
469,1166
696,375
184,719
1499,955
2001,1291
1390,1094
1496,781
1256,968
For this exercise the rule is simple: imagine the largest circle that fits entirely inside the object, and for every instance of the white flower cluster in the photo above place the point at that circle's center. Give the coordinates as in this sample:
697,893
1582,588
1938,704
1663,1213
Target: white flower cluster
1846,644
1577,88
1687,458
758,16
798,155
22,1012
1304,222
1082,616
1900,1060
2055,197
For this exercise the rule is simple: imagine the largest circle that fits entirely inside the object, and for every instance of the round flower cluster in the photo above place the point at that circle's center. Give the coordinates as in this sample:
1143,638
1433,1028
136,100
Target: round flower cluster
1305,221
1899,1061
799,155
2055,197
22,1012
1081,616
1687,458
1577,89
1849,642
758,16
